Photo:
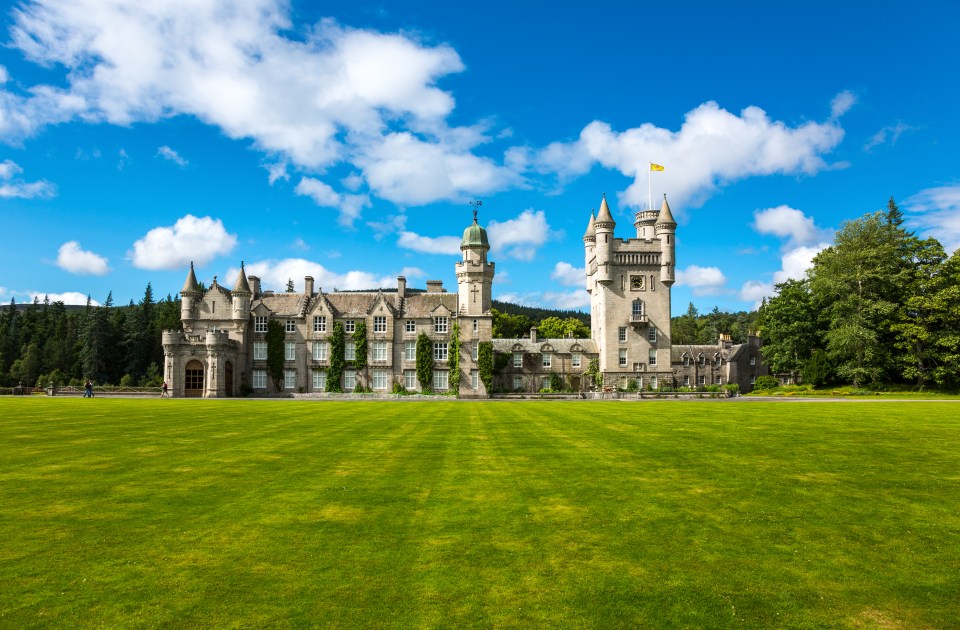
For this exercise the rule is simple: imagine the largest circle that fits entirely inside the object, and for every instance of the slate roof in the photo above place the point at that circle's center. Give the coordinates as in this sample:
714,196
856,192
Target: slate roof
285,304
561,346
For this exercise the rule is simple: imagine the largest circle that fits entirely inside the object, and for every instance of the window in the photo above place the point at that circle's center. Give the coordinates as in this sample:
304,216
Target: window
320,324
259,379
474,350
380,351
379,379
545,382
719,380
440,351
622,334
518,382
259,350
474,379
349,352
701,380
686,380
652,359
349,380
517,359
440,380
259,324
410,379
547,359
653,382
289,350
637,308
753,360
319,380
623,357
575,359
410,326
753,380
700,359
379,324
349,326
476,326
441,324
652,335
291,326
320,350
686,361
289,379
409,350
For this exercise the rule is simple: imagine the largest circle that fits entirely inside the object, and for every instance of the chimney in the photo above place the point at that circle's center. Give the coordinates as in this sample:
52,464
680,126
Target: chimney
434,286
308,286
401,287
255,286
533,333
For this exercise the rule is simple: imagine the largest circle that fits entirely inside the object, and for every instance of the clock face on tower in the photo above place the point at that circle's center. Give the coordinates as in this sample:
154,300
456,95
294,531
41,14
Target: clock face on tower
636,283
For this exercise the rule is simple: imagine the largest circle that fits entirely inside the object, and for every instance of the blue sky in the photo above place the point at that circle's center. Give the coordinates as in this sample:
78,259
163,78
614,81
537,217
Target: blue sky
345,140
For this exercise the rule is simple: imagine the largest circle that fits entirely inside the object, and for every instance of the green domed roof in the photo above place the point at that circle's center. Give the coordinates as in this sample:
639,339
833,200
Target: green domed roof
475,236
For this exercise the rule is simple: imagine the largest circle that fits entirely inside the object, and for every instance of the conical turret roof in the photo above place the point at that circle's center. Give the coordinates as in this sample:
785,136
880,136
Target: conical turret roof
591,232
190,285
604,216
242,285
665,217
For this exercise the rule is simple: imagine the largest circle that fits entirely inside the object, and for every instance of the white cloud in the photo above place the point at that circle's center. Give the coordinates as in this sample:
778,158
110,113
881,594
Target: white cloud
796,262
519,238
276,171
842,103
712,148
274,274
170,155
702,280
890,133
568,301
68,297
75,259
429,245
786,222
190,239
936,212
754,291
13,187
523,299
568,275
350,206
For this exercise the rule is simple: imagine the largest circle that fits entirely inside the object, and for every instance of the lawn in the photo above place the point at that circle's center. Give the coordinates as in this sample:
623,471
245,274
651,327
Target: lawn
249,513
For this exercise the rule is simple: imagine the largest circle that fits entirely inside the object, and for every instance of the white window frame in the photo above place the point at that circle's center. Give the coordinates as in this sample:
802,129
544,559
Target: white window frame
547,360
379,323
289,350
320,350
441,350
349,351
259,379
576,360
410,379
653,382
379,379
350,325
289,379
753,360
441,380
319,380
441,324
409,350
702,379
379,351
652,334
349,380
517,359
622,357
320,323
652,357
686,380
259,350
290,326
259,324
474,379
517,381
410,326
622,334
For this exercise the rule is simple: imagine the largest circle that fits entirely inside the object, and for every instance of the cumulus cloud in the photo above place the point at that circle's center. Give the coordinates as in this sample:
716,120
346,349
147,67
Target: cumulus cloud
786,222
936,212
890,133
702,280
842,103
571,300
68,297
712,148
429,245
190,239
794,264
754,291
12,186
73,258
568,275
350,206
172,156
274,274
521,237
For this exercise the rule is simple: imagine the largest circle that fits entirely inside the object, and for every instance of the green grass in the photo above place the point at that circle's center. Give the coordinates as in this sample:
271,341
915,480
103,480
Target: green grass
899,392
145,513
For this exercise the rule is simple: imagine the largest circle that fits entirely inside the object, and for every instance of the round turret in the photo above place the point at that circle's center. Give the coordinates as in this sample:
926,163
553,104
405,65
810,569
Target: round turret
475,236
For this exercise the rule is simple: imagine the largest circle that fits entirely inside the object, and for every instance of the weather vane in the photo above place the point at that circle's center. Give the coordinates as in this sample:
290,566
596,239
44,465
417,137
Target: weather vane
476,203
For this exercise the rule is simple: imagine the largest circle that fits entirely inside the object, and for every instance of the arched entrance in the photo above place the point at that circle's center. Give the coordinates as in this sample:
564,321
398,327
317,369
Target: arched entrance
228,379
193,379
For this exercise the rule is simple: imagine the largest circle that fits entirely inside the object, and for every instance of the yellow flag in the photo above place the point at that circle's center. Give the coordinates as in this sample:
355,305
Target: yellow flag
655,167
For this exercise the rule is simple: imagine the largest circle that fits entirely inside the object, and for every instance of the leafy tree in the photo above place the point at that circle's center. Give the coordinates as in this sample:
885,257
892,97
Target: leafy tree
453,359
685,329
276,337
556,328
507,326
816,369
290,288
425,363
920,319
485,364
360,347
792,327
96,339
335,370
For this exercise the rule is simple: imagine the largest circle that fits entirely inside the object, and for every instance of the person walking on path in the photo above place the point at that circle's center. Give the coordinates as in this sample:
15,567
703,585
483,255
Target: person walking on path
88,389
163,390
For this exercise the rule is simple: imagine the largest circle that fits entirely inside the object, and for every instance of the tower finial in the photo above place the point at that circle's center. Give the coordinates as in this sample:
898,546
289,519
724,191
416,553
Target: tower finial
476,203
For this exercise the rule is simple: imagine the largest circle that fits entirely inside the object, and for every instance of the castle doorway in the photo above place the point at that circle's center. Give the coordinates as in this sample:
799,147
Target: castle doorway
193,379
228,379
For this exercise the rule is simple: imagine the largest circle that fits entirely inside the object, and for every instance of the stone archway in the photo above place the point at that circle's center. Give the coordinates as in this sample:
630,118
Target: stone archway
228,379
193,379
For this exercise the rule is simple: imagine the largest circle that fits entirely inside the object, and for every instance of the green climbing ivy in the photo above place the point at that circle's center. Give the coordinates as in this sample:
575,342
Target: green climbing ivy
276,337
360,345
335,371
425,363
485,364
453,359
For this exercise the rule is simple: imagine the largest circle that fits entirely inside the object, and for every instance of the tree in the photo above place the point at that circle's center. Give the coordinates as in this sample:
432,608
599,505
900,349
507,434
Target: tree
276,337
792,327
485,364
360,346
510,326
290,288
335,370
919,321
425,363
685,329
453,359
556,328
816,369
96,338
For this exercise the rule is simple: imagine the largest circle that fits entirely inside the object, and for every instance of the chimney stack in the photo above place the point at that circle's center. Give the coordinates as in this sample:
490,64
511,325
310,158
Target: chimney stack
255,286
401,287
533,333
434,286
308,286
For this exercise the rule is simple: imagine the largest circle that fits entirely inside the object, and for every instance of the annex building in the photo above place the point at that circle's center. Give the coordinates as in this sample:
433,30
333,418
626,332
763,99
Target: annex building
222,349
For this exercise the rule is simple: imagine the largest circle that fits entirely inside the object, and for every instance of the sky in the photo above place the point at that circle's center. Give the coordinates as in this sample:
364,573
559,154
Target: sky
346,140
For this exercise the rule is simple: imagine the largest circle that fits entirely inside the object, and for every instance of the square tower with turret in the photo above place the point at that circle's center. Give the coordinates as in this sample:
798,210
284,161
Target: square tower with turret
629,282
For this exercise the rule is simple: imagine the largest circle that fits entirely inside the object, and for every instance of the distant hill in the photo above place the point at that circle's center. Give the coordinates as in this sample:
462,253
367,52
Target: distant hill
538,314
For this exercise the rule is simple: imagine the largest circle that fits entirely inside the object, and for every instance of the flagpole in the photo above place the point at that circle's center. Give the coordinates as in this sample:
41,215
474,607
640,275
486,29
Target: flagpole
649,186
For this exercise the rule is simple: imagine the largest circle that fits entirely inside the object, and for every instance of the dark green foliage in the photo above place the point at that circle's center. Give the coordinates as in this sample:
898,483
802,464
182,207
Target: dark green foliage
485,364
766,382
593,372
556,382
275,340
694,328
816,369
425,363
337,363
360,345
792,327
556,328
536,314
453,359
290,288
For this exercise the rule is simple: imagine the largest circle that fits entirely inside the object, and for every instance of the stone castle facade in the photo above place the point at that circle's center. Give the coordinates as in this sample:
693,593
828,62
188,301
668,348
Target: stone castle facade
222,349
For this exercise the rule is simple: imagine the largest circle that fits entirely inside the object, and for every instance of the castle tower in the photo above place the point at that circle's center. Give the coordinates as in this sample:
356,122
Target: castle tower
603,227
589,249
189,295
666,229
241,297
474,272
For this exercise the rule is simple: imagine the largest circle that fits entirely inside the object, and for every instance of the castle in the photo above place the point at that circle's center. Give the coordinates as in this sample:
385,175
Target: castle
222,349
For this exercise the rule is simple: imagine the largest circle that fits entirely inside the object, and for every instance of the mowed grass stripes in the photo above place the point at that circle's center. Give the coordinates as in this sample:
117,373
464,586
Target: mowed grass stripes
246,513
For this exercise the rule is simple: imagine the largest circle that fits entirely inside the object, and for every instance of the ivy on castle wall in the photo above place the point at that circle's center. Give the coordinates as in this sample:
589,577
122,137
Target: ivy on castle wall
335,371
485,364
275,340
453,359
360,345
425,363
